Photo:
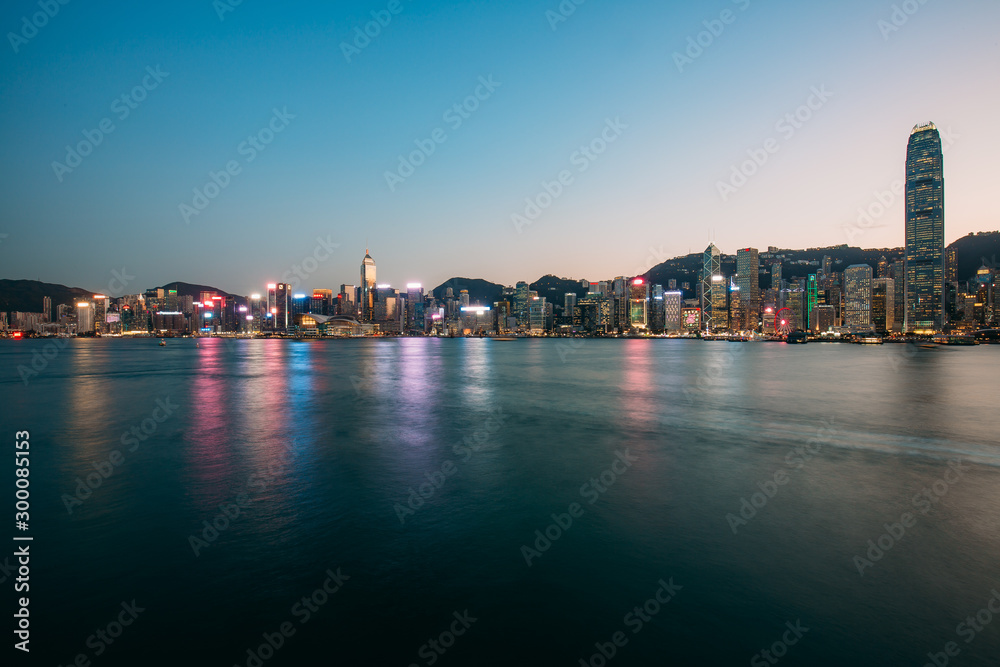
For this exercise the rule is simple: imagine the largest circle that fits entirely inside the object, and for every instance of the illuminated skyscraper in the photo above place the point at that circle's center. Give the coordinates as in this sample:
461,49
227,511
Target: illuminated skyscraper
713,290
748,282
282,299
521,290
858,297
883,304
899,298
84,317
638,302
924,231
415,306
812,298
367,287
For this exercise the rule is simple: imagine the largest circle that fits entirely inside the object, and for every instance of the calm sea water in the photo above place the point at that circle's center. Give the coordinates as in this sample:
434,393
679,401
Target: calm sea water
325,448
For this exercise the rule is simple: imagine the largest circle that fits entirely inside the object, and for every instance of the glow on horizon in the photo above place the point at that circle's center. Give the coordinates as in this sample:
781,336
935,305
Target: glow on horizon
655,185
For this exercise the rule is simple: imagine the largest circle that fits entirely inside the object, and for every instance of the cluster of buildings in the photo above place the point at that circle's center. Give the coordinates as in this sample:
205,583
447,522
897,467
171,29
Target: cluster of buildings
918,293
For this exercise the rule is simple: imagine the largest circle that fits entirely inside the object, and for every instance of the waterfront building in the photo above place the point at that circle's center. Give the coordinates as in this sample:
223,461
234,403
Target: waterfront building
924,231
858,297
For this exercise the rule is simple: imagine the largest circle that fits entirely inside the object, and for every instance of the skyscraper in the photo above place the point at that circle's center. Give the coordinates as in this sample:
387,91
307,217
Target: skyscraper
858,297
924,231
713,290
367,287
748,281
521,290
638,313
883,304
282,299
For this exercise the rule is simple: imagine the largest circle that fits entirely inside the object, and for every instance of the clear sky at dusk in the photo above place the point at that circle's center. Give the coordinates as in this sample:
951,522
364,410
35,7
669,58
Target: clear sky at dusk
672,131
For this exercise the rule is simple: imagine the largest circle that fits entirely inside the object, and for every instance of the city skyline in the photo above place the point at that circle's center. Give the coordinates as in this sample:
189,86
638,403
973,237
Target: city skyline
666,142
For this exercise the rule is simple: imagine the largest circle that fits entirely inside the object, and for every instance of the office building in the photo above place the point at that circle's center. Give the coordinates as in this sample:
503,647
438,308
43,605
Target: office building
858,297
924,231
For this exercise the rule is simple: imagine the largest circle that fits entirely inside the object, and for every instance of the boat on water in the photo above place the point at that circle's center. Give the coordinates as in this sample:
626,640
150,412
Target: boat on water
953,339
502,338
868,340
162,343
797,337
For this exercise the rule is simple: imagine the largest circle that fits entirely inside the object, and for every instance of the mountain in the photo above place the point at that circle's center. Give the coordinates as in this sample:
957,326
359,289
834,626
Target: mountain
481,292
194,291
26,295
554,289
975,250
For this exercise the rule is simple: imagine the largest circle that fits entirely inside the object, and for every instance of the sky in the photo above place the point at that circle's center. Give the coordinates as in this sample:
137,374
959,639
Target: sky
239,143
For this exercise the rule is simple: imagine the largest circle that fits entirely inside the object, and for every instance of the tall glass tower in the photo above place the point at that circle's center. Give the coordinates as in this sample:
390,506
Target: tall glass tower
924,231
367,288
715,314
748,280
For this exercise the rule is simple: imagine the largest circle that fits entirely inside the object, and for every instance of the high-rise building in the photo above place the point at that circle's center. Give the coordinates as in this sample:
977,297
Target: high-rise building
748,281
282,299
367,287
883,304
569,303
899,296
858,297
715,313
46,309
84,317
270,308
812,298
348,299
951,265
537,312
776,276
794,300
924,231
415,306
638,304
521,290
673,306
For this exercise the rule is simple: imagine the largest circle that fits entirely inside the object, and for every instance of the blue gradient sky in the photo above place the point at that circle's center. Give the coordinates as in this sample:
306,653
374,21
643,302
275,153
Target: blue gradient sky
652,195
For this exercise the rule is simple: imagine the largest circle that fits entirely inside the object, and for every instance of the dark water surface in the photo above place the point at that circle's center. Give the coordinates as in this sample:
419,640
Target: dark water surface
322,442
